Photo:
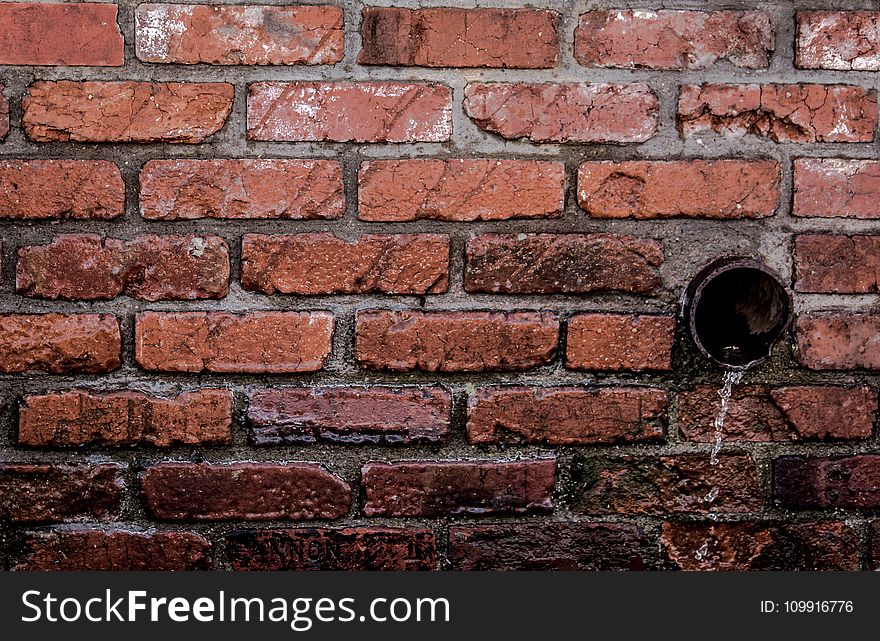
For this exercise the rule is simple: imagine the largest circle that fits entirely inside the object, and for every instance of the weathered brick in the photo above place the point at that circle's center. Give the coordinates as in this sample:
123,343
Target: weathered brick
239,35
561,263
449,488
39,33
79,417
450,37
549,546
322,264
460,190
114,550
143,112
292,415
842,340
613,342
847,482
841,40
566,415
244,491
814,545
836,187
359,548
722,189
686,483
89,267
256,342
566,113
59,343
763,413
56,493
673,39
76,189
828,263
455,341
782,113
185,189
349,112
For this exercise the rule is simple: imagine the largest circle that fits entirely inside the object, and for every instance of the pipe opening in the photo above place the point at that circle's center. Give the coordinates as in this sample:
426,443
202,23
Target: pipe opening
737,309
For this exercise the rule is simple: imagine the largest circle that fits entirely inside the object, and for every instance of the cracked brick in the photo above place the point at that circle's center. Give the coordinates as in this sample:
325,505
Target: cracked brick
837,264
839,40
322,264
836,188
239,35
450,37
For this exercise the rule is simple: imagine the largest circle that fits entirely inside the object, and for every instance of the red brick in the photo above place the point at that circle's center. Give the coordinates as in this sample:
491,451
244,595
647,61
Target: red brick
144,112
259,188
614,342
320,263
567,113
384,415
761,413
60,34
812,545
722,189
57,493
455,341
842,341
358,548
686,483
244,491
549,546
673,39
836,187
349,112
76,189
256,342
4,113
114,550
848,482
841,40
449,488
239,35
566,415
460,190
827,263
59,343
782,113
78,417
89,267
561,263
449,37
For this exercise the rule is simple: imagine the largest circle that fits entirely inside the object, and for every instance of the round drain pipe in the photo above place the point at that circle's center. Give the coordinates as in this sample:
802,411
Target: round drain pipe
736,309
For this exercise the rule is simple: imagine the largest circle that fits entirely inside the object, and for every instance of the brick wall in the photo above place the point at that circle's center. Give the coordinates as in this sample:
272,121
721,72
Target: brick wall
335,285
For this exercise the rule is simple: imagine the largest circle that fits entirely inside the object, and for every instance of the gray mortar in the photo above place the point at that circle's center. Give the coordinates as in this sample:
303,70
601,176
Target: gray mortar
688,245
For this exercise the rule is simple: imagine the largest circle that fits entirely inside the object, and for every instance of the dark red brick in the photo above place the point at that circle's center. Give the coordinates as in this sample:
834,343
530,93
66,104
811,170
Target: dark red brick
79,417
566,415
837,264
449,488
256,342
393,416
89,267
114,550
614,342
244,492
450,37
685,483
762,413
848,482
817,545
549,546
59,343
322,264
561,263
455,341
843,341
359,548
39,493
